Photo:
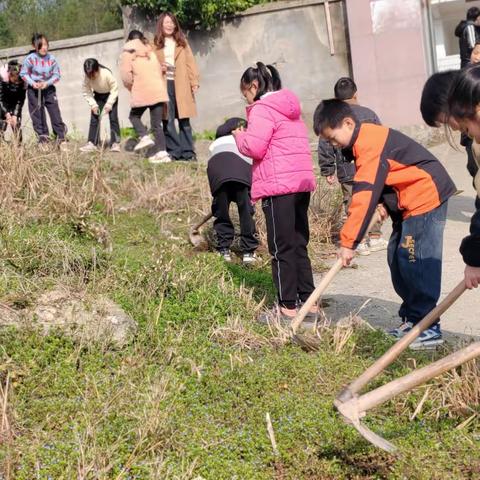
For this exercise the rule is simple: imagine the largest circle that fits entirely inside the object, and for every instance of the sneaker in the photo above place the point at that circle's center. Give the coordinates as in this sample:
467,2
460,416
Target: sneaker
63,146
401,331
115,148
429,339
144,142
160,157
363,249
227,256
377,244
249,258
89,147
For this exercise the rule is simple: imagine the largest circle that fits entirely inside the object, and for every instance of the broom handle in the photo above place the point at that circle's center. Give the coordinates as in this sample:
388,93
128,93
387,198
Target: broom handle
392,354
325,282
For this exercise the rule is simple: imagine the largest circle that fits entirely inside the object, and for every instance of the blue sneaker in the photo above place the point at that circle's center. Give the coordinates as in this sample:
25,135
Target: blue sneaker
429,339
401,331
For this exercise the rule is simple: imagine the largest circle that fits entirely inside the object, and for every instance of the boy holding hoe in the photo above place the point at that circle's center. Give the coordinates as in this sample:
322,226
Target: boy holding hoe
414,188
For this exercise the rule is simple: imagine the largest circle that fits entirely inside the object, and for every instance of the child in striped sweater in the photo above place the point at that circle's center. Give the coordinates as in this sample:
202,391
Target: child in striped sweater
41,72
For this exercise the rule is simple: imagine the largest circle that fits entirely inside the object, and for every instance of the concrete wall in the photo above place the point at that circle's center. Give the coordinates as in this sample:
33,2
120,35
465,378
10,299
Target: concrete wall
71,54
290,34
389,56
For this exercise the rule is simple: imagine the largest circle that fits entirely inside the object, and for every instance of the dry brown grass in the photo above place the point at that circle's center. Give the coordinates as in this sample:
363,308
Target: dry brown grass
454,394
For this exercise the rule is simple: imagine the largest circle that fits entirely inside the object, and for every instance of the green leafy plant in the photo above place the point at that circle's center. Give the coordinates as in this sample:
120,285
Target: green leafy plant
191,13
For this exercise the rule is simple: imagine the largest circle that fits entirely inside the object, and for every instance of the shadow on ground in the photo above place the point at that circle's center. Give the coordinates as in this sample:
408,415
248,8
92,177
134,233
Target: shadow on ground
381,314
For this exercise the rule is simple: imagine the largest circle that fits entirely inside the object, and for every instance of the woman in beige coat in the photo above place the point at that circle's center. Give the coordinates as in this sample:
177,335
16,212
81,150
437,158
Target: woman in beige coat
176,58
142,75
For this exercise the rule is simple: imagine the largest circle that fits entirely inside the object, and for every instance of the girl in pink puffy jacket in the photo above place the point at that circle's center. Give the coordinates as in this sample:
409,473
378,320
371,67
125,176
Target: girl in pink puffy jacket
282,177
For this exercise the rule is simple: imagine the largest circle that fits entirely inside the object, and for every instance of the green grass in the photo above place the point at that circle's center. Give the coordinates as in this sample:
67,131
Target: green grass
185,399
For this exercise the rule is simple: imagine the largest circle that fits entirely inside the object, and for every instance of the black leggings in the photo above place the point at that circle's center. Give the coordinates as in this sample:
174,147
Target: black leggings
288,235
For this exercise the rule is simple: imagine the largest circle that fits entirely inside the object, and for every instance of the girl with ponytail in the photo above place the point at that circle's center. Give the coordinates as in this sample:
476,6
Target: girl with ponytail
282,178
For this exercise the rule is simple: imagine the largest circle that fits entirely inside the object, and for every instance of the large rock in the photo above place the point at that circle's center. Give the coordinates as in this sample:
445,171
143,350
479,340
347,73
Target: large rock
86,319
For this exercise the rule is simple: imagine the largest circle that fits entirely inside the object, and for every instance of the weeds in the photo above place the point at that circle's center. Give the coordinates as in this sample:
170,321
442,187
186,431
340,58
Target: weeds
187,397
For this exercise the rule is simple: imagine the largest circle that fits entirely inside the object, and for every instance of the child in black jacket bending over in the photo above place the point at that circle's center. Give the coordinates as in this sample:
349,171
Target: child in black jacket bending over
230,178
12,98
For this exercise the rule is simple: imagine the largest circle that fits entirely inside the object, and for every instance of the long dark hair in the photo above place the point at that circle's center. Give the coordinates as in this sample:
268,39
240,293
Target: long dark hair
91,66
137,35
267,77
178,34
464,96
37,41
434,100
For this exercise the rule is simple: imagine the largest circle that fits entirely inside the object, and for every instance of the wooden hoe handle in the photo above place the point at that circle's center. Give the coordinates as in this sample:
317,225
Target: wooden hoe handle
393,353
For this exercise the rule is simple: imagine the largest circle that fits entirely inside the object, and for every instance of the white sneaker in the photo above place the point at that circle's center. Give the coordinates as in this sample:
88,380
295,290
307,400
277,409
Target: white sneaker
225,254
363,249
89,147
377,244
144,142
115,148
63,146
160,157
249,258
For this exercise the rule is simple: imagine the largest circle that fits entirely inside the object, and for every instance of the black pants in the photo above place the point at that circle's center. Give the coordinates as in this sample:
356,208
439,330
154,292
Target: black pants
288,235
240,194
179,145
156,115
36,107
17,131
94,132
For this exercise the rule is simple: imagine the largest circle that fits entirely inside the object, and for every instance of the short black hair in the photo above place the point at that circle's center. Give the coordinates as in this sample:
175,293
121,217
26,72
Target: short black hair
434,99
330,114
344,89
473,13
229,125
464,95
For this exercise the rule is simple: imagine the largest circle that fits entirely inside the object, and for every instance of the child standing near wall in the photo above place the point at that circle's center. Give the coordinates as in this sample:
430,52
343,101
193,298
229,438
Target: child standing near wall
230,178
277,141
41,72
100,90
142,75
415,188
12,98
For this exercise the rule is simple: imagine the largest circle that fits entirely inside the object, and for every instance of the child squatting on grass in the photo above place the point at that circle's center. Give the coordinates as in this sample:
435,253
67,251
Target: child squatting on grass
453,98
41,72
414,188
100,90
276,139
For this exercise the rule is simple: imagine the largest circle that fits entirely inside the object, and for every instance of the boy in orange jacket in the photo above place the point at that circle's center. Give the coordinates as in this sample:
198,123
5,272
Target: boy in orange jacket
414,188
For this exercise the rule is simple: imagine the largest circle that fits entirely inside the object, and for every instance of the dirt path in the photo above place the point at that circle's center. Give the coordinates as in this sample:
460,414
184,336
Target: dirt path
371,280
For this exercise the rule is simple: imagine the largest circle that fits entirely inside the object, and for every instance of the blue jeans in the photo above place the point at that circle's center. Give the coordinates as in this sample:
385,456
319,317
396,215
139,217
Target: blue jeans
415,260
